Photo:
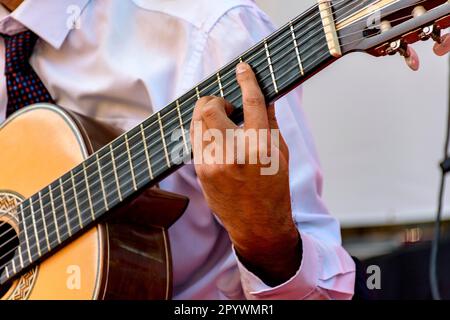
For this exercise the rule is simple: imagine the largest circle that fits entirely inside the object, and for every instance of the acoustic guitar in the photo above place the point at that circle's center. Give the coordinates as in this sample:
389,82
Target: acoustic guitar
80,217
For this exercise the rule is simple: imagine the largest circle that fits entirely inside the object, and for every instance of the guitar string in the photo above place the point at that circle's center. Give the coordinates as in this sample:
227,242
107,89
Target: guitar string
277,59
285,35
162,149
177,128
140,153
225,86
166,137
74,219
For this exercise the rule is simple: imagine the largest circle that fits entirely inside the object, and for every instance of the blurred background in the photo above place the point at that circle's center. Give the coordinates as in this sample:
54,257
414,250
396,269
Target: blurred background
380,131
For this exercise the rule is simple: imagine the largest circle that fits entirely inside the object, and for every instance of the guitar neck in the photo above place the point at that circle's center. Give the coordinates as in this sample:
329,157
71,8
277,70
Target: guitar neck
151,151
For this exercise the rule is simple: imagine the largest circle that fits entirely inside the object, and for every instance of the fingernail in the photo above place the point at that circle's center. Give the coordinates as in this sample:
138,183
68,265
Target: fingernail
241,68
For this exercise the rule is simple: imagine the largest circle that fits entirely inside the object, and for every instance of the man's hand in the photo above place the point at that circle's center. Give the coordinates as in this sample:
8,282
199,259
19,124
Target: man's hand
255,209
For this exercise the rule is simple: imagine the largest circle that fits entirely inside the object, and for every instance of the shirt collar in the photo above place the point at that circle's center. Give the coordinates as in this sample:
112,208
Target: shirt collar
49,19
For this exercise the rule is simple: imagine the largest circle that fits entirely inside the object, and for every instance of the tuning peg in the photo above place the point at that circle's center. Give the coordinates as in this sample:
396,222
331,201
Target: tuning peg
442,47
410,55
412,59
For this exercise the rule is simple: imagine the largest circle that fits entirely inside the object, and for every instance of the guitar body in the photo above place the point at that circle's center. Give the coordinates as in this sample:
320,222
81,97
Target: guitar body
126,256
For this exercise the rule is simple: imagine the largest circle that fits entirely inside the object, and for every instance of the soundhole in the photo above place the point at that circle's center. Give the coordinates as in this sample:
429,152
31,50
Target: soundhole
9,241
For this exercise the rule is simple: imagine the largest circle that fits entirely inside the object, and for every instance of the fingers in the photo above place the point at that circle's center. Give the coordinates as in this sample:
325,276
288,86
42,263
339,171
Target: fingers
444,47
214,112
255,113
211,113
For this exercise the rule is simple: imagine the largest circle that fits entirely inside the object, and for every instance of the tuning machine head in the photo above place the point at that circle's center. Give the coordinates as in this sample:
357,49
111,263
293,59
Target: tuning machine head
401,47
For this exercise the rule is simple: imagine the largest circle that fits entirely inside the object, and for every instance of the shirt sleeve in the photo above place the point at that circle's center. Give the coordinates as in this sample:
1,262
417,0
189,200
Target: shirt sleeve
326,270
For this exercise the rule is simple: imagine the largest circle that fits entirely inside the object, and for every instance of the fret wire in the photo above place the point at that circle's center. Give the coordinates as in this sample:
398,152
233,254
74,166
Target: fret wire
115,172
296,50
300,21
131,162
219,80
270,67
77,207
13,263
63,198
34,226
102,184
163,140
147,157
25,231
54,213
182,127
197,92
20,256
43,221
88,191
7,272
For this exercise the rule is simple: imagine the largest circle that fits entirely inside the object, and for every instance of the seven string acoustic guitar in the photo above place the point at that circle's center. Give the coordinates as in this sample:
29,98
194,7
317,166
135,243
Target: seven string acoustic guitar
79,218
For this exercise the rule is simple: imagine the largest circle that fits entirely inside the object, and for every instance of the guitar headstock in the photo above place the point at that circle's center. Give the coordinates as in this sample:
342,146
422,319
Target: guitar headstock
382,27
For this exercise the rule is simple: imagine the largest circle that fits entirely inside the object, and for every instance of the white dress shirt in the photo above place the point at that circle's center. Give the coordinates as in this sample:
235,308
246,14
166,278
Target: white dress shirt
125,59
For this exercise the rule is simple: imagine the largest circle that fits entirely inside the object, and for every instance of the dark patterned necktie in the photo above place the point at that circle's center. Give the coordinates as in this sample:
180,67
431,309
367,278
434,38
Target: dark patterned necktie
23,84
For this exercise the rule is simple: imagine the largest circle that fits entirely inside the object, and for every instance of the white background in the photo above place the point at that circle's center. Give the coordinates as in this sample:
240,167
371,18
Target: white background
379,128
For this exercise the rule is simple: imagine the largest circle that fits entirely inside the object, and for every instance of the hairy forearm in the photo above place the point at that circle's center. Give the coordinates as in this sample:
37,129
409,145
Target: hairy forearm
273,258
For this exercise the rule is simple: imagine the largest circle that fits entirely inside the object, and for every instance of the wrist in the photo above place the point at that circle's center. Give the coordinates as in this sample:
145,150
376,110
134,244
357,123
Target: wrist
274,259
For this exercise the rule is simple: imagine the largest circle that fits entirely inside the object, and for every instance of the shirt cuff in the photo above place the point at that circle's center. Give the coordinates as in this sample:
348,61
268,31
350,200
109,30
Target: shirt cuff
302,284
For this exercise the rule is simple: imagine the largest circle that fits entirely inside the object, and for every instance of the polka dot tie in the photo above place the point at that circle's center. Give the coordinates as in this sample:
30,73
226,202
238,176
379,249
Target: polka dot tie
23,84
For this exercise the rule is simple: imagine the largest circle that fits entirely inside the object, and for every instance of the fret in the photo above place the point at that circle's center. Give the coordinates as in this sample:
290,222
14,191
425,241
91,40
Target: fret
150,151
147,156
25,232
58,208
180,119
20,256
39,225
121,164
230,85
270,67
185,117
88,186
163,140
49,194
75,197
172,136
109,178
130,162
102,184
138,157
55,220
43,215
88,180
115,171
7,272
219,80
35,228
294,38
66,213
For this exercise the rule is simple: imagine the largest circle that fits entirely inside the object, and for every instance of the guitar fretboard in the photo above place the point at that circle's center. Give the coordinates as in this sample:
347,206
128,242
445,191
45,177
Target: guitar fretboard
157,147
